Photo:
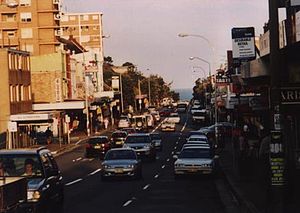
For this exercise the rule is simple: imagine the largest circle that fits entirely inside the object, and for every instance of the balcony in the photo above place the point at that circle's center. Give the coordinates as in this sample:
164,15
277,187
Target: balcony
19,77
7,10
6,25
20,107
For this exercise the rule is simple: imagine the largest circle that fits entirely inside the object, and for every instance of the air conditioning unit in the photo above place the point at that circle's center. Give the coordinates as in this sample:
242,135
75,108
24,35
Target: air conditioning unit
57,16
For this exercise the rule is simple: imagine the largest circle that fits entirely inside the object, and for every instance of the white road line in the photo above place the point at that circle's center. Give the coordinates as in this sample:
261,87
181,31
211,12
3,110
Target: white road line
127,203
78,159
156,176
175,147
168,159
172,153
94,172
73,182
146,187
163,166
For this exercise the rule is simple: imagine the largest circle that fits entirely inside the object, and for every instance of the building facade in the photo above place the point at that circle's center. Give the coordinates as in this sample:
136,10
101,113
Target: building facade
15,86
87,29
32,25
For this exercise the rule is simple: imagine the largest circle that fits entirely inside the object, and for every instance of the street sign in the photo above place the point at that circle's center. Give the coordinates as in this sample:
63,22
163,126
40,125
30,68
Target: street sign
277,161
243,45
12,126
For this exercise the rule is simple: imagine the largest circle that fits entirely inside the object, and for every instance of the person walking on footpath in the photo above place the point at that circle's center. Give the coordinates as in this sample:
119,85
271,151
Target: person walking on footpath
106,123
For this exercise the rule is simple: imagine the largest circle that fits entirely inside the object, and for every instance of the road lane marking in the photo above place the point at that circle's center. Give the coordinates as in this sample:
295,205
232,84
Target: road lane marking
73,182
175,147
146,187
156,176
172,153
168,159
184,126
163,166
127,203
94,172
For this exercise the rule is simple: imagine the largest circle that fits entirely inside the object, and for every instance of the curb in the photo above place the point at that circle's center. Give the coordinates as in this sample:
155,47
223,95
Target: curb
245,205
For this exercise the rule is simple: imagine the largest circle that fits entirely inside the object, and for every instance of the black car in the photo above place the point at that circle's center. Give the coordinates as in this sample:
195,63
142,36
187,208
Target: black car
45,192
117,138
97,146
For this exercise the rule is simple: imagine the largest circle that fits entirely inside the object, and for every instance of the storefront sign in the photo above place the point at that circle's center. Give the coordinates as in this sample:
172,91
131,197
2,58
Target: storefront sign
277,159
12,126
115,83
223,80
243,45
31,117
290,95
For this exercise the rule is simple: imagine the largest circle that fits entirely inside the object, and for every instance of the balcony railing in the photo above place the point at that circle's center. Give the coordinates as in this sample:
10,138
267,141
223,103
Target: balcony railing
20,107
19,77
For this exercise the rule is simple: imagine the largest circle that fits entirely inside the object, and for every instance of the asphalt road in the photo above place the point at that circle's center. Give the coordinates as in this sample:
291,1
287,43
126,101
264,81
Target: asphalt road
158,191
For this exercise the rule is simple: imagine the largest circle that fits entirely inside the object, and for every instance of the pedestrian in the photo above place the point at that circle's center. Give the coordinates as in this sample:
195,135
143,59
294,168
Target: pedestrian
49,135
106,123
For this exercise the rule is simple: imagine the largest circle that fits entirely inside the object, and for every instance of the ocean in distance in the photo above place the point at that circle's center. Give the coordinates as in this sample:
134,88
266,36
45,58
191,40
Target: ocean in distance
185,93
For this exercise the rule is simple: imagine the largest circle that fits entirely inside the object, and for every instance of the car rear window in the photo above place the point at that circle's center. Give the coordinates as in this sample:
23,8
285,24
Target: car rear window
195,153
97,140
138,139
119,135
155,137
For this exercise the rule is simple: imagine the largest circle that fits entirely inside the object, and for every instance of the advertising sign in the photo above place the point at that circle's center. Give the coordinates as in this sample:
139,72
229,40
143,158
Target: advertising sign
290,95
277,159
295,2
115,83
243,45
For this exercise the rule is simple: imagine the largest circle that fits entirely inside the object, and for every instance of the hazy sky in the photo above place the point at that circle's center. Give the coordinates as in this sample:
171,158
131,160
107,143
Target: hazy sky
145,32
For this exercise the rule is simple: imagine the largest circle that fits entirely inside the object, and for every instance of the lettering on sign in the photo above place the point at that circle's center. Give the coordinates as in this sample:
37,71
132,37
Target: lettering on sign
290,95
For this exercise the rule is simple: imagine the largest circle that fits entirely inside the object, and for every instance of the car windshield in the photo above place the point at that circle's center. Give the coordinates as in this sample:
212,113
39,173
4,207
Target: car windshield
120,154
155,137
20,165
97,140
197,139
138,139
195,153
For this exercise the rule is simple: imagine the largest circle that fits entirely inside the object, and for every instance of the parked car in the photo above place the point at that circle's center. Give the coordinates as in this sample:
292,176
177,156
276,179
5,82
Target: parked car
157,140
121,162
174,118
165,112
168,126
97,146
45,191
196,138
117,138
194,160
142,144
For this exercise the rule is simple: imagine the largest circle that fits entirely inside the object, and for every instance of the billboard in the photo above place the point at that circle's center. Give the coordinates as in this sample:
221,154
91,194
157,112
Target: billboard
243,45
295,3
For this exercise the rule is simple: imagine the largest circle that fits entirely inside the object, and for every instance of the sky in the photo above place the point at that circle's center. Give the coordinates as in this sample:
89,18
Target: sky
145,33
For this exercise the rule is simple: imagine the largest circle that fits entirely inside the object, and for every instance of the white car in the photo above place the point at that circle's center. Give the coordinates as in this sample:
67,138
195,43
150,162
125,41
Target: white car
197,138
194,160
124,123
174,117
168,126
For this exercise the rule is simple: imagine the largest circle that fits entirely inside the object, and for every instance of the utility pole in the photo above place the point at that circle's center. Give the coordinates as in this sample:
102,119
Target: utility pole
277,156
140,98
149,89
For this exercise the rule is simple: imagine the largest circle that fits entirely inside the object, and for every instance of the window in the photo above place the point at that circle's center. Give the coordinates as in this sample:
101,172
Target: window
84,17
25,17
11,34
95,28
25,3
95,17
27,47
85,28
72,18
10,17
86,38
26,32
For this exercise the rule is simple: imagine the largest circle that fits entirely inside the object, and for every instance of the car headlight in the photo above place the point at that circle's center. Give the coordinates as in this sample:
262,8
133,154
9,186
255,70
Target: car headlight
106,166
146,147
131,166
33,195
179,165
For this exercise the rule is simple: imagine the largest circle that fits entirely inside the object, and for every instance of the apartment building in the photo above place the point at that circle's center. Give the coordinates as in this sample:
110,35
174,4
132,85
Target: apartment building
30,25
15,87
87,29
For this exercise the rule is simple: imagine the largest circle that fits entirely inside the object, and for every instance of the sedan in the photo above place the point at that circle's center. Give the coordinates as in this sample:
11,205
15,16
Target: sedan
194,160
168,126
97,146
121,162
174,117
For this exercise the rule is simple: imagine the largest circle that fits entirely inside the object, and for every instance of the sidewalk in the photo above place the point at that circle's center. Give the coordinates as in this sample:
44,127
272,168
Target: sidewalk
249,184
75,140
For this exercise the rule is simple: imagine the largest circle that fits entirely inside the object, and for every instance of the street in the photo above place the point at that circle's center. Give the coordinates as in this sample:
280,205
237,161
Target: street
157,192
